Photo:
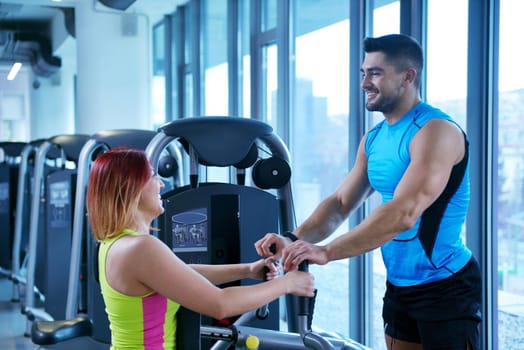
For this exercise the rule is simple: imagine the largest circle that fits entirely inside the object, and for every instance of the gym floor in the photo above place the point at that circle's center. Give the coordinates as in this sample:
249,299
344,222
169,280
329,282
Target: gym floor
12,322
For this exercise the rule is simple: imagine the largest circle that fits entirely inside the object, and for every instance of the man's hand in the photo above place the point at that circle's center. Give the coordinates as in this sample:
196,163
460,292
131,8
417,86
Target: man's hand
299,251
263,245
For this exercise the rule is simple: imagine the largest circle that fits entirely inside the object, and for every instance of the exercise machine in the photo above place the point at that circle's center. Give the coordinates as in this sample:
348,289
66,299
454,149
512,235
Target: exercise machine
24,194
212,222
50,226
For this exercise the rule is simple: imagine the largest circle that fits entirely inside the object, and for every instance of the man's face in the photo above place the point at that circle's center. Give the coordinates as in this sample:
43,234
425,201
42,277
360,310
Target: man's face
381,82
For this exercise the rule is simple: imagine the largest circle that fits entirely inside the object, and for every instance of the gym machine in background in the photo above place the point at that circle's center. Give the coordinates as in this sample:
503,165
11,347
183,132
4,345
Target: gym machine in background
50,226
86,326
24,194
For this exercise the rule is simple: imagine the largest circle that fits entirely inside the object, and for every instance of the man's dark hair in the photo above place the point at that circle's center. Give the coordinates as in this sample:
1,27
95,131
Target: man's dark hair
400,50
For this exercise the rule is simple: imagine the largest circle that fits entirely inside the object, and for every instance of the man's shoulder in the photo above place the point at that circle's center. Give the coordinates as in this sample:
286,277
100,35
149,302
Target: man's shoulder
425,112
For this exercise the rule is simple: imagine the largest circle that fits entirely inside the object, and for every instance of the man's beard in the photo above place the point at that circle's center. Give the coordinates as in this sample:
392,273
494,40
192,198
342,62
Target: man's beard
384,104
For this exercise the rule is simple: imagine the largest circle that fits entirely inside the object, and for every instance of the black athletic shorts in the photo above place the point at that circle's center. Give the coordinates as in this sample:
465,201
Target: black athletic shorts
442,315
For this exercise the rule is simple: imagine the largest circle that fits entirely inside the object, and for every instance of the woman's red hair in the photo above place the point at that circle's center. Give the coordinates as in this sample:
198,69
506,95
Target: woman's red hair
116,180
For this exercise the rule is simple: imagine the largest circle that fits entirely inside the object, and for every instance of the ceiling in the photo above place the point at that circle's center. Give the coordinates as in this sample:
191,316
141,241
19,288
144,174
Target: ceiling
28,27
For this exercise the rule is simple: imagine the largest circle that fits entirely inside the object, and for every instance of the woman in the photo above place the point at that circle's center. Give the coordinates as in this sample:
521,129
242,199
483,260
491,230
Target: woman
143,282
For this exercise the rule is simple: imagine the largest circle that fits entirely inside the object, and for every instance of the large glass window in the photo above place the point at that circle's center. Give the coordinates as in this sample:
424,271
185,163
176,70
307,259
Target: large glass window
440,67
269,84
319,135
386,17
267,45
318,130
158,82
216,82
269,15
509,201
215,57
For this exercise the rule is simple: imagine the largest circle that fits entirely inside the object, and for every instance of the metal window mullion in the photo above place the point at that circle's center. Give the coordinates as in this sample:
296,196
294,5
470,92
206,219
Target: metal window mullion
233,58
480,121
283,69
359,266
168,66
256,59
196,59
413,22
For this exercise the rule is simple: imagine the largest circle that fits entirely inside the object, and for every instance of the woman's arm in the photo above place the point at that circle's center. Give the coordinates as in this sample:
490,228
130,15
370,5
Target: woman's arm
219,274
162,271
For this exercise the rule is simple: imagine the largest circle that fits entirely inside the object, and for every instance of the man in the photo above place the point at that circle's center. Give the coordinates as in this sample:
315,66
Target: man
417,159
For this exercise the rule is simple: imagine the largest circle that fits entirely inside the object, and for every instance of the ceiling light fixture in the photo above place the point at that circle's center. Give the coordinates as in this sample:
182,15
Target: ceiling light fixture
14,70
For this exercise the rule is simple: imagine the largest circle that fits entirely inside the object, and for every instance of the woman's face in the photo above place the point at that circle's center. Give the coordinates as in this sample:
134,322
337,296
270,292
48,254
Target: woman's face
150,201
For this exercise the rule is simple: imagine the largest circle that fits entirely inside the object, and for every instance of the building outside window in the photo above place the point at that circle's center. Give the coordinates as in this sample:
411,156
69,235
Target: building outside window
319,136
509,197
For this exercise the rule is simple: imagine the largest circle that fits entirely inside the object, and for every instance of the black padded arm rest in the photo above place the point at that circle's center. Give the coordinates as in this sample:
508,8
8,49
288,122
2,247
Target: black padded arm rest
52,332
218,141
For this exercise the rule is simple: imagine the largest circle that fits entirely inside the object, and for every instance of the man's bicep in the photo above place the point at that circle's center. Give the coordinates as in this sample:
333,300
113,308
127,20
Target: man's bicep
433,154
421,185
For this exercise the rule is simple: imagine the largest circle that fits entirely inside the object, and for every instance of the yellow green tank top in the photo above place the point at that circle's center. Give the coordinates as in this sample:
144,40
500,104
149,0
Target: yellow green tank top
144,322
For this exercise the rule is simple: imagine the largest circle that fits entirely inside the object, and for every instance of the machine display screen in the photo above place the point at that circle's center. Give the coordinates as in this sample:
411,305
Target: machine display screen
189,231
59,203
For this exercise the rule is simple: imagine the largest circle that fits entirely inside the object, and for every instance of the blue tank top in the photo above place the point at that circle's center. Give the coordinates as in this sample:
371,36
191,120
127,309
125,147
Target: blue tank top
432,249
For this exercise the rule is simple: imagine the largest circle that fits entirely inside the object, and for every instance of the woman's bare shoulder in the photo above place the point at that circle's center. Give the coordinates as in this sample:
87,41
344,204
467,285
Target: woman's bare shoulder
136,246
